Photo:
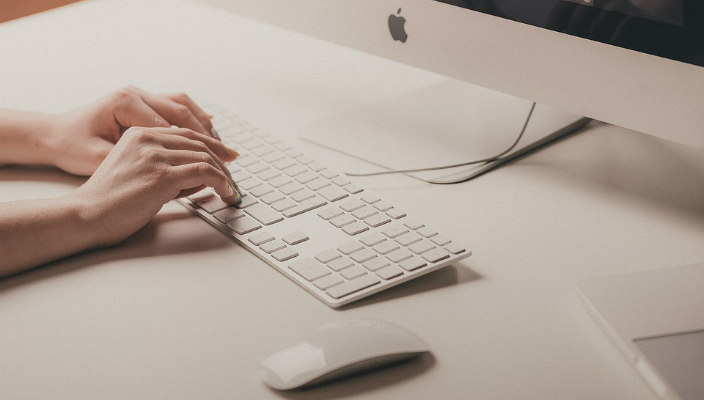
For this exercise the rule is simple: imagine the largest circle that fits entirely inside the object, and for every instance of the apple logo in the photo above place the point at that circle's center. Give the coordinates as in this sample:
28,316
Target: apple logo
397,28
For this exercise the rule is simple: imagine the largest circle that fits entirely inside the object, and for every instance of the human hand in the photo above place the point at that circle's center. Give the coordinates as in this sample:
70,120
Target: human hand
79,140
147,168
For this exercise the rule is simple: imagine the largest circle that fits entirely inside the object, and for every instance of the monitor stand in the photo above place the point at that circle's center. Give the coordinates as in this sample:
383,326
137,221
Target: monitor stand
444,123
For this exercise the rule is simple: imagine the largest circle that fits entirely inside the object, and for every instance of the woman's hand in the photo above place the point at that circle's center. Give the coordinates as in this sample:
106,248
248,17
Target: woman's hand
147,168
79,140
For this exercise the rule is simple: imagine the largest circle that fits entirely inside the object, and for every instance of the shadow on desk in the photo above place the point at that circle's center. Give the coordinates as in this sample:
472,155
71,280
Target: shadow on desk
147,242
448,276
364,382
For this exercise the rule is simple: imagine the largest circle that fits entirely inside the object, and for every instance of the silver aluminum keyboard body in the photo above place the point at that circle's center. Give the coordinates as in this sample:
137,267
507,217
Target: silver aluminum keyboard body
328,234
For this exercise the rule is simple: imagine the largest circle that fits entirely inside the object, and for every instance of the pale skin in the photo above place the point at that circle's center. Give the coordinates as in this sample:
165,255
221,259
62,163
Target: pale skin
136,162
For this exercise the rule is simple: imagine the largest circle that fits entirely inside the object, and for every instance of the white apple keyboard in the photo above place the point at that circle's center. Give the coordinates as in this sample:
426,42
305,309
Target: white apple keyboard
328,234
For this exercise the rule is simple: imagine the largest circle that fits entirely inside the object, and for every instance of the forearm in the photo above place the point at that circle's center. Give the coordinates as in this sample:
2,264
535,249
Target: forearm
23,137
34,232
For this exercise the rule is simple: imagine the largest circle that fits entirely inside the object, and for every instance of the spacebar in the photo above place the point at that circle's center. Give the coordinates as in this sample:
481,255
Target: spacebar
352,286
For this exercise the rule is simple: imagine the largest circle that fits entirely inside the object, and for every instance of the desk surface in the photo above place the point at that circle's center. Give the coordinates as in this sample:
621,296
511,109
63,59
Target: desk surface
179,311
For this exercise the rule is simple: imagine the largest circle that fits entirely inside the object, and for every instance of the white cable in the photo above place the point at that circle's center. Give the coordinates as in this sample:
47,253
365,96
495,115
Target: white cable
439,182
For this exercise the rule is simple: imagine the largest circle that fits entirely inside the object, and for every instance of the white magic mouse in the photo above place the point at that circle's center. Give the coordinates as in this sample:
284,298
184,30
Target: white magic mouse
338,349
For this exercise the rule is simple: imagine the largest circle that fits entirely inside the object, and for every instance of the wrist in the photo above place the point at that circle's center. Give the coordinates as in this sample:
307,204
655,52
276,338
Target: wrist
85,219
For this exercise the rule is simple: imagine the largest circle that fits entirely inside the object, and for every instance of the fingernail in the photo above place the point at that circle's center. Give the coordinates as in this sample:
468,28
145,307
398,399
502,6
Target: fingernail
210,116
238,192
230,190
232,152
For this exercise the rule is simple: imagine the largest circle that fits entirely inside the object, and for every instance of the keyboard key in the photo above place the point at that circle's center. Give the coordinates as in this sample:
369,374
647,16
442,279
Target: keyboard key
240,175
370,198
436,255
259,152
353,188
283,205
399,255
284,254
268,174
279,181
421,247
213,204
272,246
272,157
261,190
260,238
377,220
291,187
295,169
283,163
201,196
364,212
412,224
350,247
394,230
376,263
328,173
355,228
330,213
318,183
372,238
340,263
441,241
408,238
248,183
305,206
355,285
309,269
412,264
363,255
305,160
395,213
353,272
342,220
247,201
327,256
455,248
272,197
389,272
351,204
264,214
301,195
333,193
244,225
228,214
246,160
383,206
258,167
295,238
306,177
427,232
386,247
328,281
316,166
341,181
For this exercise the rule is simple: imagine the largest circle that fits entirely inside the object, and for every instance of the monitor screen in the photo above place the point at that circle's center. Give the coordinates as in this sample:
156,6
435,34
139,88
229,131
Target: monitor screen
671,29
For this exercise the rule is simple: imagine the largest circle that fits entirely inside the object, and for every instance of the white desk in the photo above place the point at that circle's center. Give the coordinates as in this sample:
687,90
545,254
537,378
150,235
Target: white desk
179,311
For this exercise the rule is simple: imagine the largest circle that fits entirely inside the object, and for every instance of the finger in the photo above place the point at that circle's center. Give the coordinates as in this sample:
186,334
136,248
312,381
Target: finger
202,116
188,192
132,111
193,175
197,149
223,152
177,114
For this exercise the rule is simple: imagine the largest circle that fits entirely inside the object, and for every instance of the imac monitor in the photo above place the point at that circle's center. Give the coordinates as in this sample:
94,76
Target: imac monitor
638,64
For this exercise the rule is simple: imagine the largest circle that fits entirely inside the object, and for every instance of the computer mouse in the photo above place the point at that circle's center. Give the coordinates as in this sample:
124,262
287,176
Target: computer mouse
338,349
